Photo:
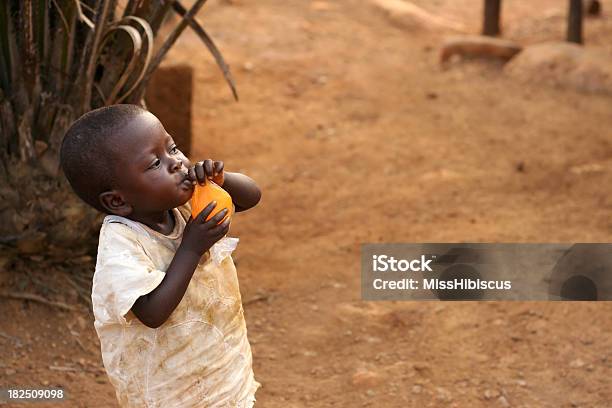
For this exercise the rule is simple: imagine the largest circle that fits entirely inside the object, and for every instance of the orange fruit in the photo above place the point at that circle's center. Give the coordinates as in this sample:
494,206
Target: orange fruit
204,194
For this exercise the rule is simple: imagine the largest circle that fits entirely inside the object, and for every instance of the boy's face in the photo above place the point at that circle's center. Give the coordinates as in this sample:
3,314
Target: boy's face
152,174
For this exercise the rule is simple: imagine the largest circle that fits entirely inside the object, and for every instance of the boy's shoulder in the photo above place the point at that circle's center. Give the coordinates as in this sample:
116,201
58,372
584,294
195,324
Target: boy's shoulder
122,241
115,227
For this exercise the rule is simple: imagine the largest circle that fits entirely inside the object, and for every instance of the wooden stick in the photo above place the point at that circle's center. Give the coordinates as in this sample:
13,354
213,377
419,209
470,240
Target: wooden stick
256,298
38,282
36,298
574,22
15,339
492,12
80,290
63,368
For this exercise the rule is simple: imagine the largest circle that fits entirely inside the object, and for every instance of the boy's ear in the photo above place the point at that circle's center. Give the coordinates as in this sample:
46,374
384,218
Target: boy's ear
113,203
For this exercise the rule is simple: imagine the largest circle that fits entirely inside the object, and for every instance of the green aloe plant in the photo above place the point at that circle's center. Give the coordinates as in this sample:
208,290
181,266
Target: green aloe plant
58,60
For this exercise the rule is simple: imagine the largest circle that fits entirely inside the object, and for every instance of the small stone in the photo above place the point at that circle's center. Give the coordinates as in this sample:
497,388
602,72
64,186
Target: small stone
443,394
455,59
521,383
481,358
416,389
503,401
490,394
421,367
366,378
587,168
10,371
536,326
248,66
321,80
577,363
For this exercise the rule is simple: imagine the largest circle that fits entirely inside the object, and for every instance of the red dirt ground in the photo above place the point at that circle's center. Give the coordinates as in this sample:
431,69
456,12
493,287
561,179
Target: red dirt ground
356,135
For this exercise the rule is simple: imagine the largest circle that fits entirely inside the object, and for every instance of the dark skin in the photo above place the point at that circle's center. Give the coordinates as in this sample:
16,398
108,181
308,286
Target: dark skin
156,177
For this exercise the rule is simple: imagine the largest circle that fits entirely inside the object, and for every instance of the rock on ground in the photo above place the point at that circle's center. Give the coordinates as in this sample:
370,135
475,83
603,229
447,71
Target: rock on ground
409,15
478,46
564,65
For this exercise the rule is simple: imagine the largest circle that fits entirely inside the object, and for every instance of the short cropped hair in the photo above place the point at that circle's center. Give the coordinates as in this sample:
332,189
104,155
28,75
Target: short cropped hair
87,153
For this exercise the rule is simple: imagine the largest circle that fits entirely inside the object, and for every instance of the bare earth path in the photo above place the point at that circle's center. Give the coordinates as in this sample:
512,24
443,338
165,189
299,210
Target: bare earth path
356,135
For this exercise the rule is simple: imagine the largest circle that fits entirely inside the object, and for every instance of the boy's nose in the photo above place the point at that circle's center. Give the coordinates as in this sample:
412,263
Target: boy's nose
176,165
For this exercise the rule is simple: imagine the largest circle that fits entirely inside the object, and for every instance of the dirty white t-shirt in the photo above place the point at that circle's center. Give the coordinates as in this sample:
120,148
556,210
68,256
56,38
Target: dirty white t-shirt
199,357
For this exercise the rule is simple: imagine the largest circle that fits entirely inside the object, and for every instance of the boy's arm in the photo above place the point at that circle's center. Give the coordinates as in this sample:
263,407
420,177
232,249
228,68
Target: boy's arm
154,308
243,189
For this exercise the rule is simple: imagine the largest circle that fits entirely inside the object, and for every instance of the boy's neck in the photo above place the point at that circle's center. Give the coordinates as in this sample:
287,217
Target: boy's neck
162,222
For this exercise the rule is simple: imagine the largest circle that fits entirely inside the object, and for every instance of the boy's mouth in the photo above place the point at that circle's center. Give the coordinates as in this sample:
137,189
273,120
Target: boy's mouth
186,181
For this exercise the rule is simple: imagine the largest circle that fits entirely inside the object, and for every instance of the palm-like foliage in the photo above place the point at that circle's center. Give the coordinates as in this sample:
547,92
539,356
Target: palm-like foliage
59,59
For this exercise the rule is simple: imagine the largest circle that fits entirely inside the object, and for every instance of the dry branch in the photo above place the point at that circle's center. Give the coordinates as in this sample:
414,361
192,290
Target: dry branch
36,298
203,35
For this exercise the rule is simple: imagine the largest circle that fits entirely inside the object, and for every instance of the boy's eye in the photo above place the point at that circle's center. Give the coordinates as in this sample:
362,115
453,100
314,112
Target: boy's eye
155,164
174,149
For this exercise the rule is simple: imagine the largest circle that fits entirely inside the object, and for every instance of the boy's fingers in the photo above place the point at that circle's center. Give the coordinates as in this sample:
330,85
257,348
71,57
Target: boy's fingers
226,225
222,228
218,168
191,174
199,171
217,217
208,167
206,212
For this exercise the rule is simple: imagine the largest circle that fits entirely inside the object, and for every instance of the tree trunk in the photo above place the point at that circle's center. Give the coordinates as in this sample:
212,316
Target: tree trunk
40,215
492,12
574,22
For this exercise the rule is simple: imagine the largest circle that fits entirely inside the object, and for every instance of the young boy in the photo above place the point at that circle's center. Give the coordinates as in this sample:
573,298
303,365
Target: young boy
170,319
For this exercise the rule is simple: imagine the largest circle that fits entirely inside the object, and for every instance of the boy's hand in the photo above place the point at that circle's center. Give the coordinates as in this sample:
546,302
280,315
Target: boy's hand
208,169
200,235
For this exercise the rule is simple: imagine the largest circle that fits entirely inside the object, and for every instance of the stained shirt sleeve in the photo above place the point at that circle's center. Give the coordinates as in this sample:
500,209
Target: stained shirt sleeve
124,272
